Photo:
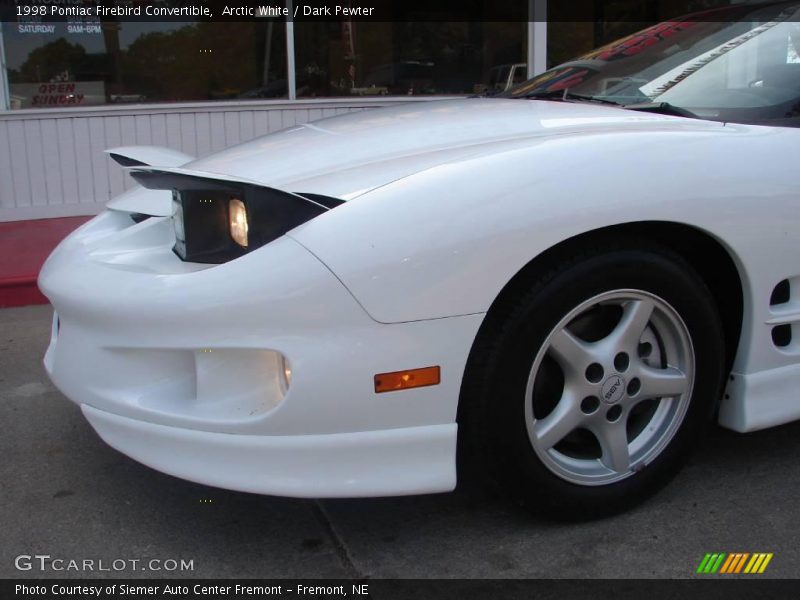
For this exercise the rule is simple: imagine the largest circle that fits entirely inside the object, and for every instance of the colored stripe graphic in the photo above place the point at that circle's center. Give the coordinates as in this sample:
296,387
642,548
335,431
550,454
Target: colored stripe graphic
762,563
727,564
745,556
718,563
734,563
758,563
711,562
703,563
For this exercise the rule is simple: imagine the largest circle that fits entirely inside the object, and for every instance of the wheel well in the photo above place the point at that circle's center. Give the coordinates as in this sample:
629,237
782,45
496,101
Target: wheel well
704,253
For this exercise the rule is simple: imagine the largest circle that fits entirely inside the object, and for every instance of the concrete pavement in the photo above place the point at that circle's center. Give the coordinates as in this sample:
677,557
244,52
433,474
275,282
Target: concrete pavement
66,494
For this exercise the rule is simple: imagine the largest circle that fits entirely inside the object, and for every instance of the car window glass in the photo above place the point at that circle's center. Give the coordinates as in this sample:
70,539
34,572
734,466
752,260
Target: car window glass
744,69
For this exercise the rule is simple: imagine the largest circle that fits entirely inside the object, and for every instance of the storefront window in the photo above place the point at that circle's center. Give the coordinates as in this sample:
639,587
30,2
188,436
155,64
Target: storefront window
108,62
407,58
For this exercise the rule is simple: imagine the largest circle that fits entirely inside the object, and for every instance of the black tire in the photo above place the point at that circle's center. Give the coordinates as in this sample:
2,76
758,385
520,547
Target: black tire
494,440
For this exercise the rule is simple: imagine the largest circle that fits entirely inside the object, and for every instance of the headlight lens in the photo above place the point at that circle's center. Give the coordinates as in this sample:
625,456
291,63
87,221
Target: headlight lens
216,222
237,216
286,367
203,226
177,217
177,223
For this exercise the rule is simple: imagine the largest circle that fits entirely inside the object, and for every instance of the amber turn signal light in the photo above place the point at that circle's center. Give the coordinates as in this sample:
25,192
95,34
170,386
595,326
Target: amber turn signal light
404,380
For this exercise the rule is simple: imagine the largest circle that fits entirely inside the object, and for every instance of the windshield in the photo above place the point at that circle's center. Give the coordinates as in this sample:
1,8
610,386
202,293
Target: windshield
746,69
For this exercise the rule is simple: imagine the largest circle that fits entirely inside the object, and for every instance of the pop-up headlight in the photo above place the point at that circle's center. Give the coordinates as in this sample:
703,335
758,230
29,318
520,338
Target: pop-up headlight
203,226
217,220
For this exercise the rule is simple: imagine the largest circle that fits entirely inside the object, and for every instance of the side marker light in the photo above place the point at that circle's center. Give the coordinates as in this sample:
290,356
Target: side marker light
404,380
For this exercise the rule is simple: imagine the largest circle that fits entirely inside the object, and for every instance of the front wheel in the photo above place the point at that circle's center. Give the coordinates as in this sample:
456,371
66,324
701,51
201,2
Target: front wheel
585,392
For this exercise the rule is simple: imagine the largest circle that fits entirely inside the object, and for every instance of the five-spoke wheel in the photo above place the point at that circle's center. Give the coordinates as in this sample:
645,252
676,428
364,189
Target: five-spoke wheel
592,378
609,387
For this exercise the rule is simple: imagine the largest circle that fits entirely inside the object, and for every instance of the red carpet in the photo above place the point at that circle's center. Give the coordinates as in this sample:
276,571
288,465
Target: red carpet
24,246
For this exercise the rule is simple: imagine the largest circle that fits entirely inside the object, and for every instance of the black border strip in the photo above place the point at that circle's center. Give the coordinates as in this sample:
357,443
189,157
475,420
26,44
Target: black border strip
708,588
334,11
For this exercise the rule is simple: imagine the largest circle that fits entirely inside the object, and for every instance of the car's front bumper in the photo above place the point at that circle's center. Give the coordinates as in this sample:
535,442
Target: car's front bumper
178,366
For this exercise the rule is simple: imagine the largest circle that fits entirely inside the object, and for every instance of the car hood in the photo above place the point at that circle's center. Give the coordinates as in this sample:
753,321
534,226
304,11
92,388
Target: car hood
348,155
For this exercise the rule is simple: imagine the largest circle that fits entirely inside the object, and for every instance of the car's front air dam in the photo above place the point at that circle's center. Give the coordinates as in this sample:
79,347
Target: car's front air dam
392,462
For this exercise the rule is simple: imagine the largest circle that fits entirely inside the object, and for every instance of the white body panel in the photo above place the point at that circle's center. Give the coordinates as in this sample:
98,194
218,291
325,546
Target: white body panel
446,203
148,202
157,203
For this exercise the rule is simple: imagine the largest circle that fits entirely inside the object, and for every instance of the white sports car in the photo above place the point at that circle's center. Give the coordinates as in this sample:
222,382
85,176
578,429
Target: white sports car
560,285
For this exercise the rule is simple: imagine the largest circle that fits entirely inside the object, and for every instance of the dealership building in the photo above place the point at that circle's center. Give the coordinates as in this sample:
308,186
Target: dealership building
70,89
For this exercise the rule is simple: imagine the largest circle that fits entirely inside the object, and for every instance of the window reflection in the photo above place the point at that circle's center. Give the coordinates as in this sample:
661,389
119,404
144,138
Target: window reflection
144,62
408,58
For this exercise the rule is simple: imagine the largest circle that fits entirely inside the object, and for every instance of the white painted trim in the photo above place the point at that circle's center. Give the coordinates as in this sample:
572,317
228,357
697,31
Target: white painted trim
537,37
291,75
5,94
50,211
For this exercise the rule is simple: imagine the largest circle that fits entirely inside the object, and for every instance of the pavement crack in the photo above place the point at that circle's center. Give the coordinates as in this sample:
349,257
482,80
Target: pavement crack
339,545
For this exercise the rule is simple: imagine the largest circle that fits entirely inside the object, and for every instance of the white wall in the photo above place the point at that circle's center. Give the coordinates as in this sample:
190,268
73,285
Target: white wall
52,162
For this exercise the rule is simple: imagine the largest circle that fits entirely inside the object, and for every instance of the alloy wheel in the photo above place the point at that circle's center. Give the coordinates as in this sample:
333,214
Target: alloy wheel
610,387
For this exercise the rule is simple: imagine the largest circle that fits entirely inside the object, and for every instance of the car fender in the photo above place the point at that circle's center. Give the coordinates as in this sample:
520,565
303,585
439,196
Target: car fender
445,241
